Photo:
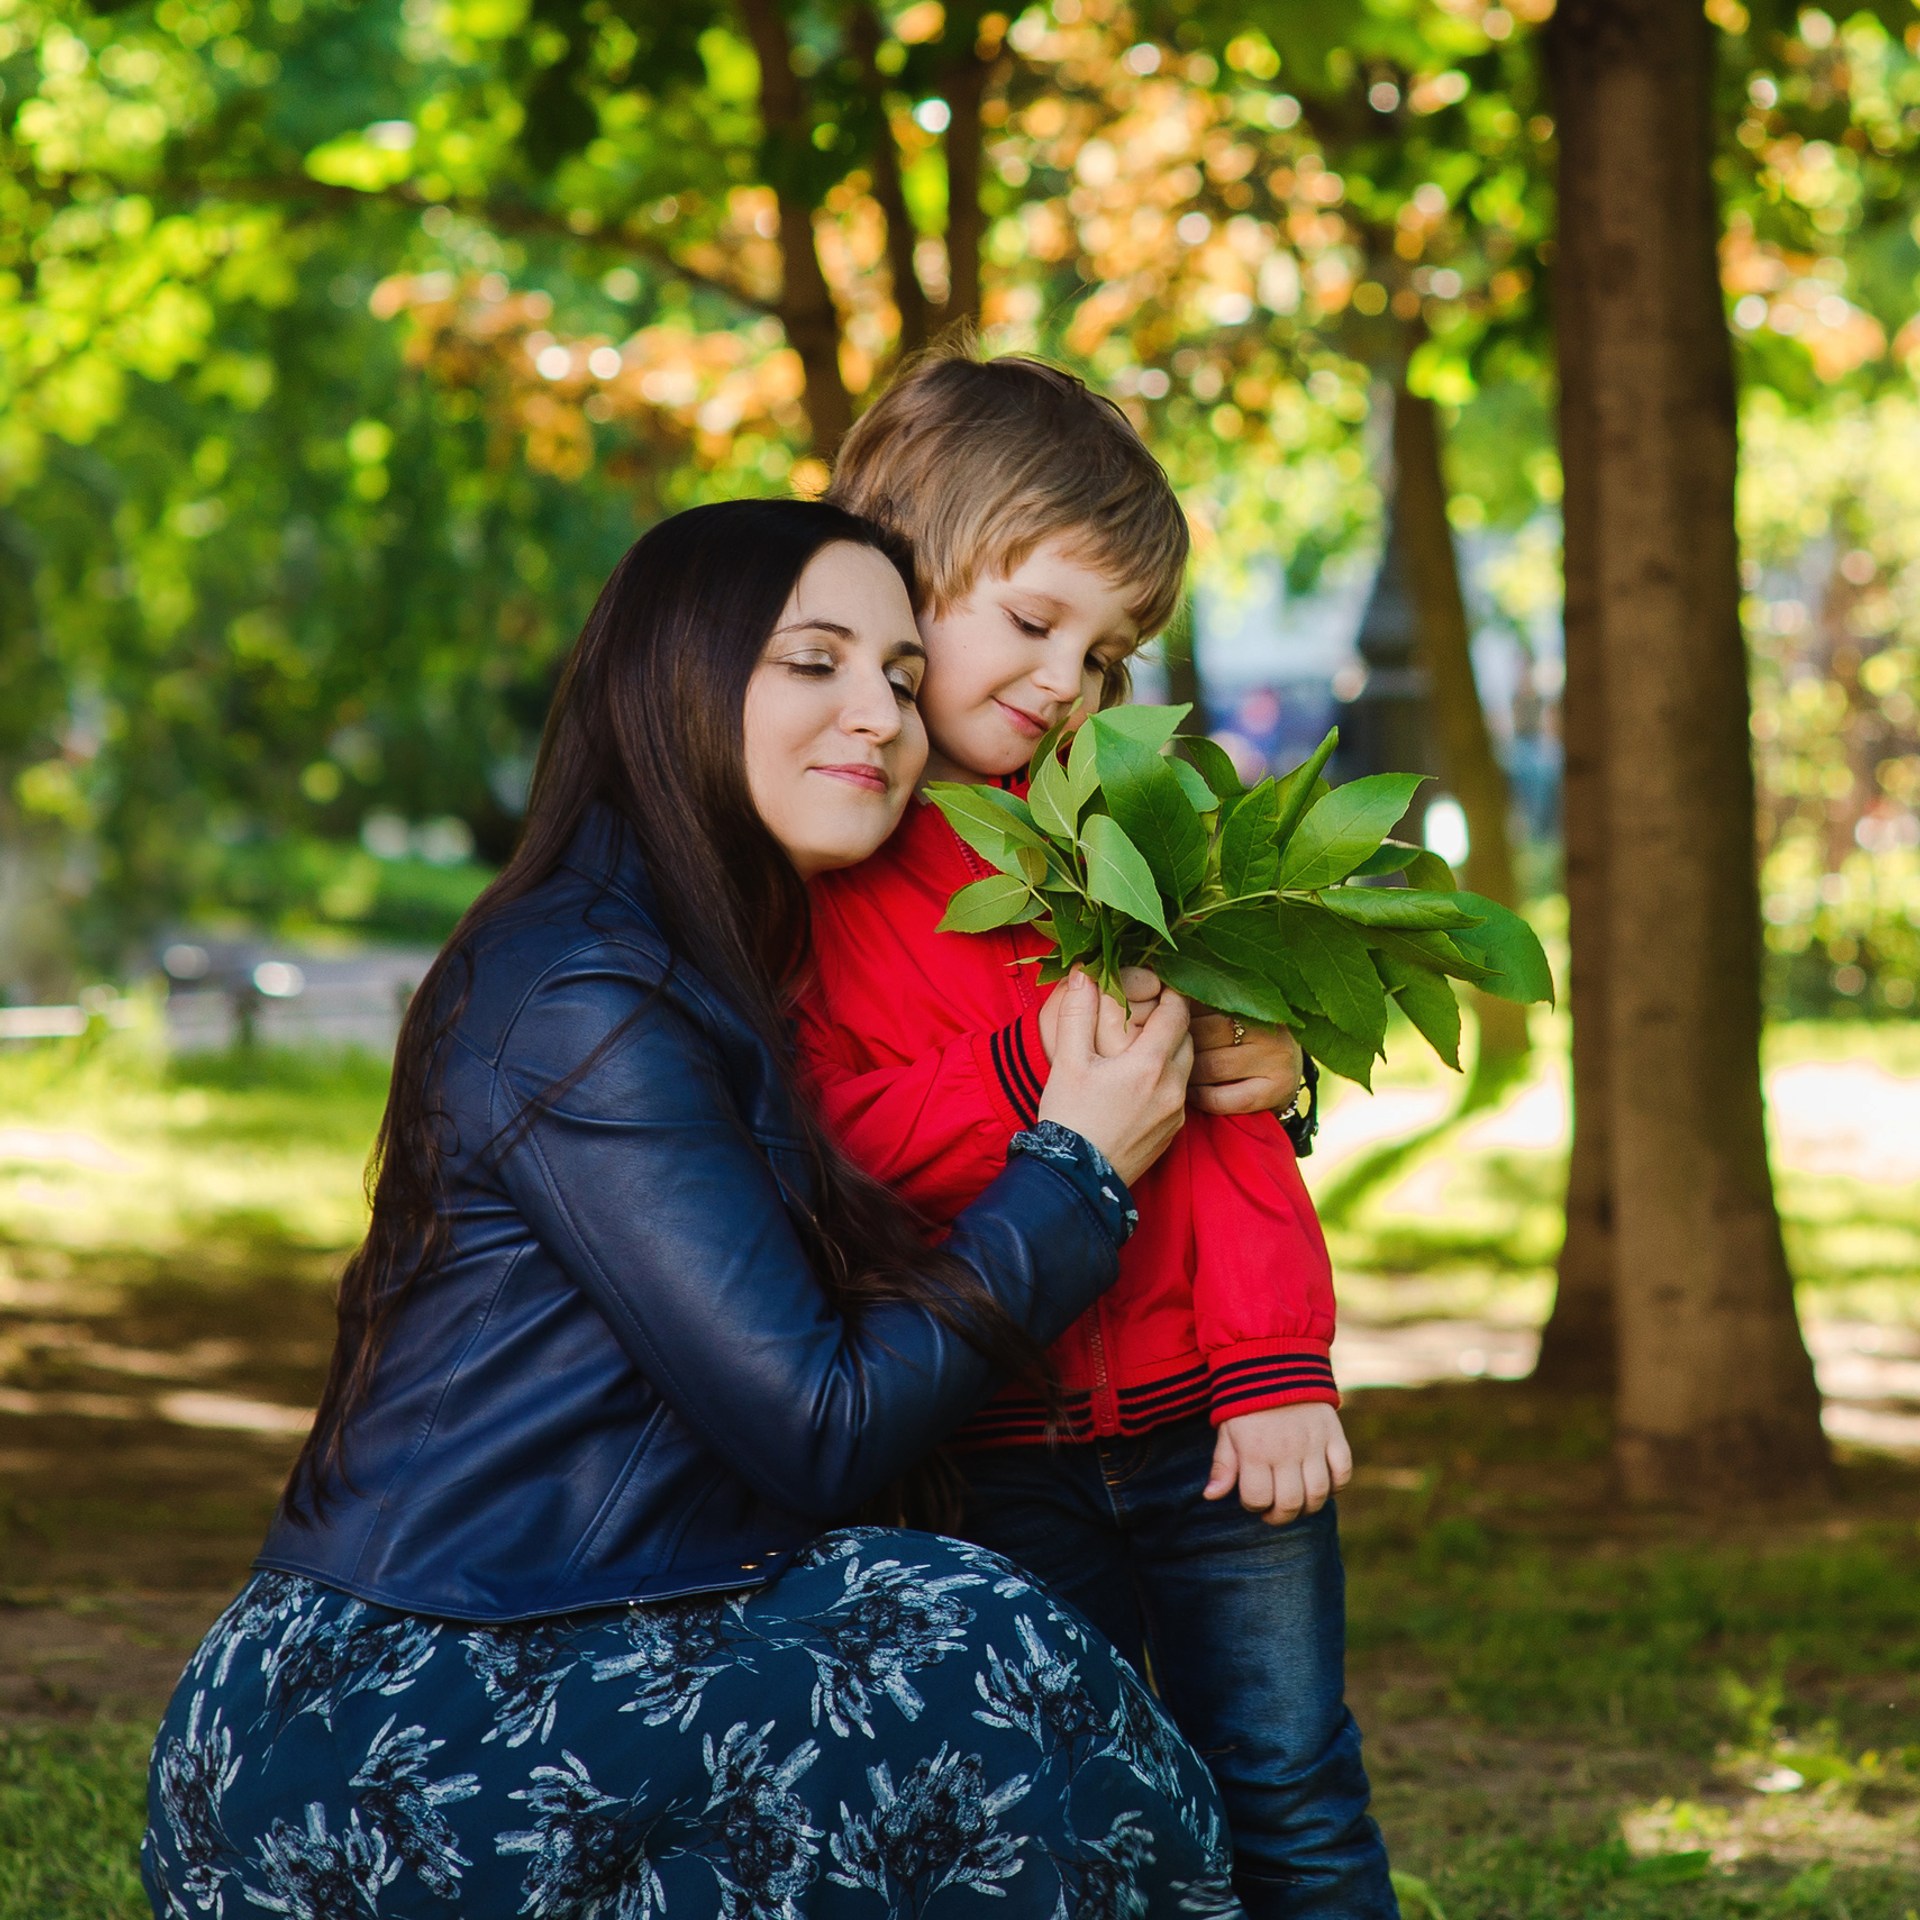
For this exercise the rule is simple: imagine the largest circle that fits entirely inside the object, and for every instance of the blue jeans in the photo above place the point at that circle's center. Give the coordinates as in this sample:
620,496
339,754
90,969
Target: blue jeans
1245,1629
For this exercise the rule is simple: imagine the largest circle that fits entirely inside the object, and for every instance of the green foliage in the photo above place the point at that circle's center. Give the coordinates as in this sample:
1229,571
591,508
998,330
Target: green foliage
1252,902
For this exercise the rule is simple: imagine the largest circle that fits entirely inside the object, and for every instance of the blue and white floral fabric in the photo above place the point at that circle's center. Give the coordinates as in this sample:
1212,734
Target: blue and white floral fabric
899,1725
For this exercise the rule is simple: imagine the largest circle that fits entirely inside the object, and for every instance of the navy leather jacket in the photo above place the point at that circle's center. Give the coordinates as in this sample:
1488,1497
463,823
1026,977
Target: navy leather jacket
623,1380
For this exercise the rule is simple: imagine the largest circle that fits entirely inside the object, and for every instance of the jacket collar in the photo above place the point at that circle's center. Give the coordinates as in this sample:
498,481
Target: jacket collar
606,852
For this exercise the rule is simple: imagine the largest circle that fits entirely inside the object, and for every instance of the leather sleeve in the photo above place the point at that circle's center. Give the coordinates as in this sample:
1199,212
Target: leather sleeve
645,1184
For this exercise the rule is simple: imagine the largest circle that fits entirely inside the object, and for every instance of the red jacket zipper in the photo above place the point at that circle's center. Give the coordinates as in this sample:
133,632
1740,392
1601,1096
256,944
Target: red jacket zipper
1105,1406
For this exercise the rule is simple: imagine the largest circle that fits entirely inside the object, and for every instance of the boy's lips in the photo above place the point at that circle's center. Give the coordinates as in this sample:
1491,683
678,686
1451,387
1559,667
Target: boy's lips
857,774
1027,723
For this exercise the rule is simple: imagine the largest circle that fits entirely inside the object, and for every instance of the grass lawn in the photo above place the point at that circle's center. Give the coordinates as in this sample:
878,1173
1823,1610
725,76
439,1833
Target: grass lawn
1571,1710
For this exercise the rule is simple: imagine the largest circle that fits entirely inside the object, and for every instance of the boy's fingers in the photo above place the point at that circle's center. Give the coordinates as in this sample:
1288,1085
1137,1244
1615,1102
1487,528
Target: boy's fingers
1139,983
1226,1466
1110,1034
1317,1483
1340,1461
1289,1496
1256,1486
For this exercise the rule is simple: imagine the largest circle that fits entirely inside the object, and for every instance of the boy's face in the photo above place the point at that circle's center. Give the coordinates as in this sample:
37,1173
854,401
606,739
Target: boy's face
1010,660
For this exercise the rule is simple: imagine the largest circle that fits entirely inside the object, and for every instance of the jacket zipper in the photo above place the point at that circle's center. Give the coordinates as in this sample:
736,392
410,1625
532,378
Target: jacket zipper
1105,1403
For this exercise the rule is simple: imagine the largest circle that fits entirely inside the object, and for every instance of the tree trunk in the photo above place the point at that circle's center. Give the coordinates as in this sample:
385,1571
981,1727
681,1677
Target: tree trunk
1716,1398
909,298
1578,1348
806,302
1472,770
966,90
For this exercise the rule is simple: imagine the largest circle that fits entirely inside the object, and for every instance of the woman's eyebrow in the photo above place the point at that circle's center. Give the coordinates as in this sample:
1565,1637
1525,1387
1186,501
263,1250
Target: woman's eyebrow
815,626
908,650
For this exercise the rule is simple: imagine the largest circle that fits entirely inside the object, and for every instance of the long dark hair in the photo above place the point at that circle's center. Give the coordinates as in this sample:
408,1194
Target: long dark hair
648,721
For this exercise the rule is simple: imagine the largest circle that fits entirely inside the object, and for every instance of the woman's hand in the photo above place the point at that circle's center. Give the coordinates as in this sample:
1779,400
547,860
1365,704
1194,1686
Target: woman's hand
1257,1073
1121,1085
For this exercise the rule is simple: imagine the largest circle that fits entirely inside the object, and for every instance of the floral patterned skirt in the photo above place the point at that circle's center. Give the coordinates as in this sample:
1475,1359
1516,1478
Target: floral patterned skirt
900,1724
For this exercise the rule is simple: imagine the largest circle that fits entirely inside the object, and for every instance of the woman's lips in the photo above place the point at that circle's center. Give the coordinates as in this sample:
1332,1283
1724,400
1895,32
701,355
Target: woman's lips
1022,719
869,779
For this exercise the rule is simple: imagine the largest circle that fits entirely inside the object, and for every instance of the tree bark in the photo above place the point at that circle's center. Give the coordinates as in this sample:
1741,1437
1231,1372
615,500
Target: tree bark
965,85
806,302
909,297
1578,1349
1716,1398
1467,760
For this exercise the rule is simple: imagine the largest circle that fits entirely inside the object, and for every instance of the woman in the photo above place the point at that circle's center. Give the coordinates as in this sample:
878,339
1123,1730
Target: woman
555,1618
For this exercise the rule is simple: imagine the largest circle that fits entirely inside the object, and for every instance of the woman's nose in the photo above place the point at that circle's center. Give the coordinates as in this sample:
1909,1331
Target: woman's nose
874,710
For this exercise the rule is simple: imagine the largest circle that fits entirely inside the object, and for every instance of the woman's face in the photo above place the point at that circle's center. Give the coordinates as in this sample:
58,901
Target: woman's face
834,744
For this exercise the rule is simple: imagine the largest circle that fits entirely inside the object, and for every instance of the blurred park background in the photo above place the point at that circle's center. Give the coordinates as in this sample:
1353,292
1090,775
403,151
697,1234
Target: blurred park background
345,346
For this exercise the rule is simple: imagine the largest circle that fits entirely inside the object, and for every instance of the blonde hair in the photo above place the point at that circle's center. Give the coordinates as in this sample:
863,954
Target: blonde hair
977,463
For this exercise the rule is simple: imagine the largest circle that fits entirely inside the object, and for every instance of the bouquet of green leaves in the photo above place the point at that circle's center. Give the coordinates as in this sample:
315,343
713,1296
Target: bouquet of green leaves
1285,903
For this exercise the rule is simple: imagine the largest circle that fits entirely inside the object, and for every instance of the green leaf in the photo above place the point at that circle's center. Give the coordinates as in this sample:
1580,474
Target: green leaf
1505,943
1144,794
1200,795
1407,907
1149,727
1426,1000
1423,869
1000,900
1297,788
1118,875
1390,857
1083,770
1337,1052
1047,749
1051,799
1070,926
1248,860
996,832
1244,940
1200,977
1341,830
1338,970
1215,765
1433,951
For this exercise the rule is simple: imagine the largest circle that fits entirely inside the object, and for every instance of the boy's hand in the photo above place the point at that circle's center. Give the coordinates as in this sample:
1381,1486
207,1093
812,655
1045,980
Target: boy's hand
1286,1461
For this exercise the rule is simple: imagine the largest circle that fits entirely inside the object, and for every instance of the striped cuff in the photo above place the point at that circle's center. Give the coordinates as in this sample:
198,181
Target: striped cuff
1018,1062
1243,1382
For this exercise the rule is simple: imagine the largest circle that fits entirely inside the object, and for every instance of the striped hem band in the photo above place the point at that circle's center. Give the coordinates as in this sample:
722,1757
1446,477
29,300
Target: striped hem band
1240,1381
1012,1421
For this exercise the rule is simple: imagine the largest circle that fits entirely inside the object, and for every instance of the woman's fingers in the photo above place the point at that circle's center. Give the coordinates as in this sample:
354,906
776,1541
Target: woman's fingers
1076,1022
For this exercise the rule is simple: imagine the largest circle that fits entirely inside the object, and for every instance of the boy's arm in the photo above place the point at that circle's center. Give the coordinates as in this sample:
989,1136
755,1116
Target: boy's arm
934,1128
1263,1283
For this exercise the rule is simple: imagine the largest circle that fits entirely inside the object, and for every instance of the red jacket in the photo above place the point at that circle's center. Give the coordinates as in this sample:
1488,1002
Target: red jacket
924,1050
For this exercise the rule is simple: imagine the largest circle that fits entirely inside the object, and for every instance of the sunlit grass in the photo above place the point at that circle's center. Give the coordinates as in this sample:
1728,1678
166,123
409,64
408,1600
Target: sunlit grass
109,1147
1468,1221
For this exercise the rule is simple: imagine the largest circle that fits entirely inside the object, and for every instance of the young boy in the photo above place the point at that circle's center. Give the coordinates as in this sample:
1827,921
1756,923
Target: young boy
1050,544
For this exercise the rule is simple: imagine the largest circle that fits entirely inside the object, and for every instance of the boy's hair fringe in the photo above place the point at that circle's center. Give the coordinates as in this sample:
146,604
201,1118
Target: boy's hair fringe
979,462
